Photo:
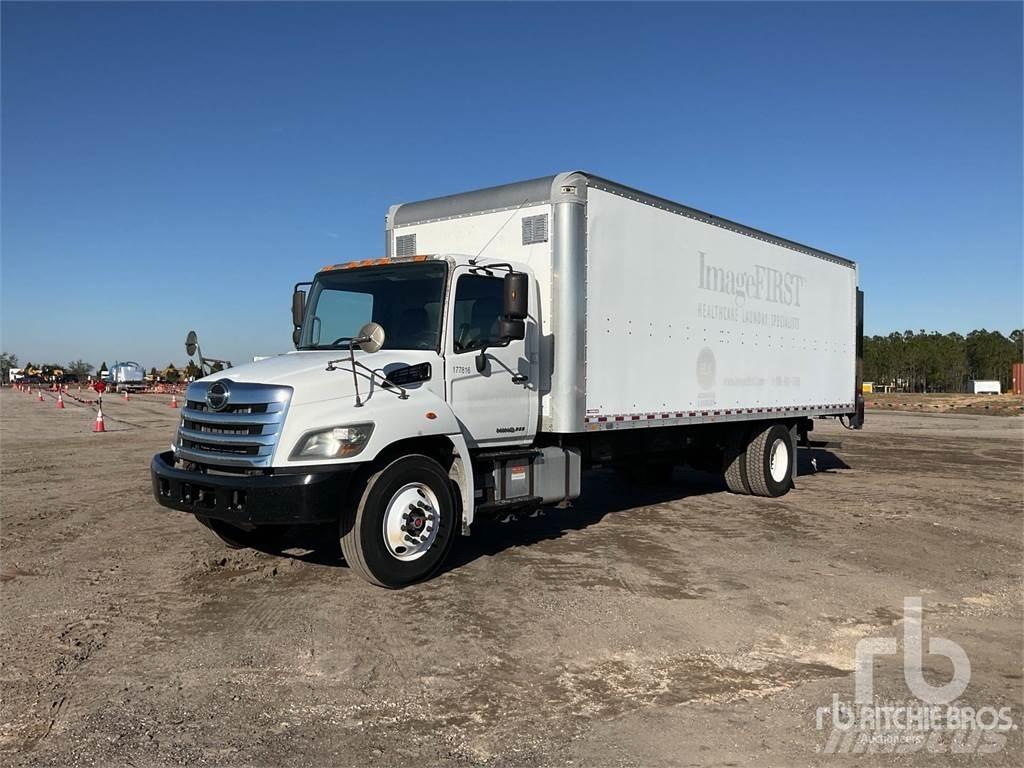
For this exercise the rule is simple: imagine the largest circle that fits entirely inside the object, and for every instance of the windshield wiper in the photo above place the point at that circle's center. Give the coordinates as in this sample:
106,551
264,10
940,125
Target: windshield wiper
339,345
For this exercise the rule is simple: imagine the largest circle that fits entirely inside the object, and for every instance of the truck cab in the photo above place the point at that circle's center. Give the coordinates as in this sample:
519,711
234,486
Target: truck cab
405,371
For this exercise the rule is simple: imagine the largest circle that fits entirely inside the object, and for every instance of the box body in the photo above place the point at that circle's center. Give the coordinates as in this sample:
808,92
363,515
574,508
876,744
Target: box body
652,312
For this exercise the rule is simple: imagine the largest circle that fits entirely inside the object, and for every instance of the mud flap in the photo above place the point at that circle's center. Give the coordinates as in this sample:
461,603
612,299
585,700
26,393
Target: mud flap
461,474
793,462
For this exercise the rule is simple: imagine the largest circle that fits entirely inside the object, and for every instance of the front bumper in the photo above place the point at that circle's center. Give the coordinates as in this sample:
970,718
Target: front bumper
306,497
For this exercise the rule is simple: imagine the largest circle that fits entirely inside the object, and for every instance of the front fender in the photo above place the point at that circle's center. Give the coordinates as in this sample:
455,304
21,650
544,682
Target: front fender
423,414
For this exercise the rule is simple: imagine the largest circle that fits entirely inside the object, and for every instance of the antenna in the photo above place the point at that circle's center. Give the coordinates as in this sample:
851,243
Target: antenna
498,231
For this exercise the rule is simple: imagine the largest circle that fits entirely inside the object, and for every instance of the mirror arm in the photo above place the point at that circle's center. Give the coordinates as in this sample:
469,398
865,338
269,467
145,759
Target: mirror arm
352,362
385,383
481,359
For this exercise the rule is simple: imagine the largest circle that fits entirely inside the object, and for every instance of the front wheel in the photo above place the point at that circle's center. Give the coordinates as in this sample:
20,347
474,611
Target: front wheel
404,525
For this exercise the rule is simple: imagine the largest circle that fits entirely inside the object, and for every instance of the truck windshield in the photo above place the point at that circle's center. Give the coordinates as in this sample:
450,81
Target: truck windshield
404,298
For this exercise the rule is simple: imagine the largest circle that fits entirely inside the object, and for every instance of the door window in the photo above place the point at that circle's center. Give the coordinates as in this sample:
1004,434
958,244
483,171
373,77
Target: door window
479,301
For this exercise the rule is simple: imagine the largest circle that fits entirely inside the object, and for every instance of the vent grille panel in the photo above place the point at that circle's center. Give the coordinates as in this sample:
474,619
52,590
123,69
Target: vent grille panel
405,245
535,229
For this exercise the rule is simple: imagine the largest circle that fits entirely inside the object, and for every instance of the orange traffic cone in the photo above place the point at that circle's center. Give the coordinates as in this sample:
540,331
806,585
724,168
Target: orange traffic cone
126,396
60,400
40,395
174,401
99,426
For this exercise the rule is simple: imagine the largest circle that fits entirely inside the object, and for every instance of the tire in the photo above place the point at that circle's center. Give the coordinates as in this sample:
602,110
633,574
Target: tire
735,462
377,537
769,461
233,537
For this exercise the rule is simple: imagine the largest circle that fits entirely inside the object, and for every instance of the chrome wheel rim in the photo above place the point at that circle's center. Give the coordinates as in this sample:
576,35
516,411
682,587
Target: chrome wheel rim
778,461
410,521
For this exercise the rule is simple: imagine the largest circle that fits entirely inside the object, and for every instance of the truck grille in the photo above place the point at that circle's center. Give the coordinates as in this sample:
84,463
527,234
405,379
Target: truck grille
241,431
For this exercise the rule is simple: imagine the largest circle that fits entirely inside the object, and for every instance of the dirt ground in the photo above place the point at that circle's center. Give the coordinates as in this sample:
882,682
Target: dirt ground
674,626
947,402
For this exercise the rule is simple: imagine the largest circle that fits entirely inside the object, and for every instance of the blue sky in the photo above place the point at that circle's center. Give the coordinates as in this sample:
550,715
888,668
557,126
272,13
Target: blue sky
169,166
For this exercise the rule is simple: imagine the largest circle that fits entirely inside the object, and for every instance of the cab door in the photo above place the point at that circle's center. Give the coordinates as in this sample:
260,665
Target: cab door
496,403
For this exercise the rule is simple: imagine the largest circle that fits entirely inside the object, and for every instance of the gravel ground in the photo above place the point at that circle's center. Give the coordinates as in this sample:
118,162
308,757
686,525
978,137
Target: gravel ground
642,627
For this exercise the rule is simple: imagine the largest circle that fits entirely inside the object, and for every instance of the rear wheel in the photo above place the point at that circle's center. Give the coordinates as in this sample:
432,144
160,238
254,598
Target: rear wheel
735,462
404,525
769,461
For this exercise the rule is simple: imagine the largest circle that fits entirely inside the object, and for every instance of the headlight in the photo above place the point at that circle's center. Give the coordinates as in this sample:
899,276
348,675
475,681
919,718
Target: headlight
333,443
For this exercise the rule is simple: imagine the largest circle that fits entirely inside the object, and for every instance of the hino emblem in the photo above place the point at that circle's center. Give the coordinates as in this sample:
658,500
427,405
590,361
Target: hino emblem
217,396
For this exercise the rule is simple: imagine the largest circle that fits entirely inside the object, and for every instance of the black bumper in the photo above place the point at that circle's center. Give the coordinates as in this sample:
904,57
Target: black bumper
304,497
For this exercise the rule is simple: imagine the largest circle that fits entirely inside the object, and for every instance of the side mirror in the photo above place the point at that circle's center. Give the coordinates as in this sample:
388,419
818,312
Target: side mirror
517,295
296,335
513,330
371,337
191,343
298,307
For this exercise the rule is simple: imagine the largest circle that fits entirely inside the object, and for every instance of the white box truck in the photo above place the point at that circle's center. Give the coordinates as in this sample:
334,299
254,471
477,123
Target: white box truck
126,377
511,338
985,387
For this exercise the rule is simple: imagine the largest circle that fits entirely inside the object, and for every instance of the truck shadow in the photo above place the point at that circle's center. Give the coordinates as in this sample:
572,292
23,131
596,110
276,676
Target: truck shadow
823,461
605,494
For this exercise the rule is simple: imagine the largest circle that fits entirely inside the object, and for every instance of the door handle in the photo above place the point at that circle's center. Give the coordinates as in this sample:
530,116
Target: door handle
518,378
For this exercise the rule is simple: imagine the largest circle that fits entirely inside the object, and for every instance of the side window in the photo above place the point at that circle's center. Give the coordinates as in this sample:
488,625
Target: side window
478,304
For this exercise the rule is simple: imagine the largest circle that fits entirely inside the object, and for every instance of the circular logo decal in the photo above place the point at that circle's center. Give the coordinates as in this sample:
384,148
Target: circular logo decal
217,396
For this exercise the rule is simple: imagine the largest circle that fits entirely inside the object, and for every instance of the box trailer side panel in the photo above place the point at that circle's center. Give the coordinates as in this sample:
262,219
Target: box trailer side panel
688,317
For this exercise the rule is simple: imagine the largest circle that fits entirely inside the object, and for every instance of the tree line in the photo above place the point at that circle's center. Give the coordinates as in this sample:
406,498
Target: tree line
912,362
942,362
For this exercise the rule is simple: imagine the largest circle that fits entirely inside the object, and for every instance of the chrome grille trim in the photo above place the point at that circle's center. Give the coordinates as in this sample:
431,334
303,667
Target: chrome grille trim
229,419
244,433
236,440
